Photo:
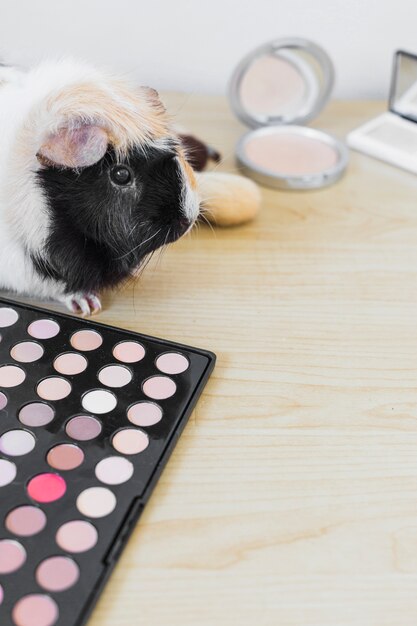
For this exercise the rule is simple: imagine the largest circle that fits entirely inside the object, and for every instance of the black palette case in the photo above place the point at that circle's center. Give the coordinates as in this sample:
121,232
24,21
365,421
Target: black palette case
95,565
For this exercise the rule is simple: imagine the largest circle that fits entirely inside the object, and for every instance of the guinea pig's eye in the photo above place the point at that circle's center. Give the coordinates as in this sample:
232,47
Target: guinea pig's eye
121,175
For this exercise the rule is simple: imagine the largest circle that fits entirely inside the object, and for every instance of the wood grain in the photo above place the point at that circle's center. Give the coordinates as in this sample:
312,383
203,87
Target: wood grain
291,499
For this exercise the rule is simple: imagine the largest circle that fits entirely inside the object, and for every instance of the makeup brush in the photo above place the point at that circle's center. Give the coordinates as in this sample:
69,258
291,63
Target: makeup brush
228,199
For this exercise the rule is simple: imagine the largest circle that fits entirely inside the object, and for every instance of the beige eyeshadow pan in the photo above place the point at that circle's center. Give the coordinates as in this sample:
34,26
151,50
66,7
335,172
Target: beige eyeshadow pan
70,363
26,351
86,340
53,388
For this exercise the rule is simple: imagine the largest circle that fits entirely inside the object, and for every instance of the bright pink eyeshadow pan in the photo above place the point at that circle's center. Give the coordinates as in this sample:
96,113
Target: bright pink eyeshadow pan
46,487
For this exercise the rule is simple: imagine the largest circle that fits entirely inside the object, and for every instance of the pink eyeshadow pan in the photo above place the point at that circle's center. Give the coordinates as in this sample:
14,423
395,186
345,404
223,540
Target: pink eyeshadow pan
25,521
46,487
57,573
172,363
8,317
159,387
3,401
130,441
35,610
11,376
43,329
114,470
96,502
76,536
12,556
115,376
144,414
26,352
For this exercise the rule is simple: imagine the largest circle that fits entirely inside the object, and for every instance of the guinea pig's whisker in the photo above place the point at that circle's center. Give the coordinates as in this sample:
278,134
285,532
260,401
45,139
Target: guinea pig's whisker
139,245
163,249
135,226
203,217
145,262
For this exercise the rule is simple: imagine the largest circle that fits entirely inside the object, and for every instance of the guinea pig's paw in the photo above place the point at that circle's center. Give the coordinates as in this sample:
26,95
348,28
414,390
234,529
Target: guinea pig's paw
85,304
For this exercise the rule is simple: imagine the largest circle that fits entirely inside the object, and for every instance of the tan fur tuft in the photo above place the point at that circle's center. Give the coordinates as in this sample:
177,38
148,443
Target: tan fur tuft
131,117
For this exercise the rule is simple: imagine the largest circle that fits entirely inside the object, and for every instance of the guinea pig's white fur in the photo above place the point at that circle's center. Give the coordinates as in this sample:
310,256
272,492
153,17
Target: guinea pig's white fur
35,104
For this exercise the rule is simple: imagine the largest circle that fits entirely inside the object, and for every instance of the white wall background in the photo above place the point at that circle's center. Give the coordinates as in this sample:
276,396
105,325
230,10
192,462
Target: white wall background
192,45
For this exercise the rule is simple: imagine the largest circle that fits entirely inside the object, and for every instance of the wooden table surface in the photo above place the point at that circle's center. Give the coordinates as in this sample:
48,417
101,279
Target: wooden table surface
291,498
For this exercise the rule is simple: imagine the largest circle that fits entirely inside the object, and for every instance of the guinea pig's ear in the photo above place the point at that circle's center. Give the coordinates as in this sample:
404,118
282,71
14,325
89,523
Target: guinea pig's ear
153,97
74,147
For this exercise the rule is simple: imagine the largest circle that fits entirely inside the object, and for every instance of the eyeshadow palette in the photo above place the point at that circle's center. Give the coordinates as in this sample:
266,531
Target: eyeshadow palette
89,415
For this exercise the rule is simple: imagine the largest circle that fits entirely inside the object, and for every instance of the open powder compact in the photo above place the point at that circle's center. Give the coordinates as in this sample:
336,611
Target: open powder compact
392,136
274,90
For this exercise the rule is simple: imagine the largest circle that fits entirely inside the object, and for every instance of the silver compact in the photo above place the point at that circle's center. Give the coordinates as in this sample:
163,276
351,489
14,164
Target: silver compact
274,90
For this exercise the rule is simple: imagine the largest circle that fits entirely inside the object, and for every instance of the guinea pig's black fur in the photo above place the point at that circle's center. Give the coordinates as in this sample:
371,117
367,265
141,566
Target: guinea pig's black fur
106,219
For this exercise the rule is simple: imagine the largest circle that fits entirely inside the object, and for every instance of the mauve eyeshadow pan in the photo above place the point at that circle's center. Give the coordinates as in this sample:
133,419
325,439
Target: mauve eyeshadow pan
83,428
36,414
26,521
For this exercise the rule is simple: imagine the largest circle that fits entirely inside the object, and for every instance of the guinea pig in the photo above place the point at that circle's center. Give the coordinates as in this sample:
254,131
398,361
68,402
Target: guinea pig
92,180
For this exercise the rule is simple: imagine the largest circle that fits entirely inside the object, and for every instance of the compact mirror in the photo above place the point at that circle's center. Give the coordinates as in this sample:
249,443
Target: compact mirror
274,90
286,81
403,95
